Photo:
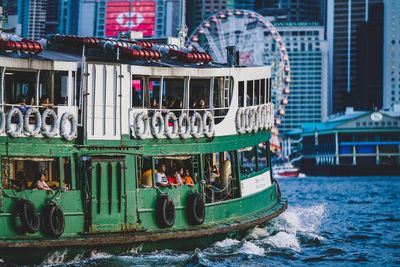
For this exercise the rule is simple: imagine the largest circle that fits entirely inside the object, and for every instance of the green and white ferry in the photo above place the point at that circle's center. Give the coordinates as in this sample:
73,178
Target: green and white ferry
86,124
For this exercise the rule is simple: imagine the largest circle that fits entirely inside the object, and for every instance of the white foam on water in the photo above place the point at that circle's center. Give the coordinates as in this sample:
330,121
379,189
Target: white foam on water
99,255
54,258
1,261
284,240
252,249
258,233
227,243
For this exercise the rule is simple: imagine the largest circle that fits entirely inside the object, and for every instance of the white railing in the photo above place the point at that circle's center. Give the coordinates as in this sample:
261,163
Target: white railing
38,121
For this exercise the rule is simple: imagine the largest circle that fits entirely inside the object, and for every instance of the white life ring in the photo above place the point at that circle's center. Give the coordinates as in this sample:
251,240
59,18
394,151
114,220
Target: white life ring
3,121
196,123
132,119
157,125
261,118
47,130
270,116
69,136
254,118
171,133
184,130
11,131
209,129
35,130
267,117
142,125
249,121
264,115
240,121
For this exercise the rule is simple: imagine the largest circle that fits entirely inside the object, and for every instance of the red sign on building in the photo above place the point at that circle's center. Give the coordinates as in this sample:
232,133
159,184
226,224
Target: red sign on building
130,16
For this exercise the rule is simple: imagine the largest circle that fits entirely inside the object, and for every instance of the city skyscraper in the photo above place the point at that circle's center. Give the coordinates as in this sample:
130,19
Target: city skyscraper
391,55
308,57
347,23
68,16
32,17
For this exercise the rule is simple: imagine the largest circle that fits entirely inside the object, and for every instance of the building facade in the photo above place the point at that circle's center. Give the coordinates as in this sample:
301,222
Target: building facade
391,55
308,58
32,18
347,19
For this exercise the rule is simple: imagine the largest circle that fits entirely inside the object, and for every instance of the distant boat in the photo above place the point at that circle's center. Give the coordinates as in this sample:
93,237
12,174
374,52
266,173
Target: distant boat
286,169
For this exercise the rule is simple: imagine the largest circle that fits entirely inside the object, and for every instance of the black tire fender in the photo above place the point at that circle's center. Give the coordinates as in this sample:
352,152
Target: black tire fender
195,209
29,216
53,220
165,211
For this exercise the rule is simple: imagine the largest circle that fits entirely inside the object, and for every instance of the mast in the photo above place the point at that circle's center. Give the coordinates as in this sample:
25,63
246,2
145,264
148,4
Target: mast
183,29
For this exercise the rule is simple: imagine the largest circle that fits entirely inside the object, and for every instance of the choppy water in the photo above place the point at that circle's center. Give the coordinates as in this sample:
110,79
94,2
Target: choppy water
330,221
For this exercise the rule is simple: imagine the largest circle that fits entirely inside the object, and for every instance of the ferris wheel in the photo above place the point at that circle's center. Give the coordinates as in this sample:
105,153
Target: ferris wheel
258,42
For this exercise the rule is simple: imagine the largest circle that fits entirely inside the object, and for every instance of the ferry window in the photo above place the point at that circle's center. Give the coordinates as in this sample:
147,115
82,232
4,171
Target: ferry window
269,88
257,92
247,160
19,86
57,95
23,172
262,156
146,171
241,94
60,88
185,165
173,92
223,88
263,92
250,93
199,94
154,92
137,92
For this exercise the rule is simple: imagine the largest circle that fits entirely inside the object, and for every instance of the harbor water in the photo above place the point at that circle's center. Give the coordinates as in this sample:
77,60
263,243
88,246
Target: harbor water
331,221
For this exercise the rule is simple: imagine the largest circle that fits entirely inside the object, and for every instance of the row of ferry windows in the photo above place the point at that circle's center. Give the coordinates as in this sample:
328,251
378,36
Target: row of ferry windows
255,92
33,88
172,93
245,162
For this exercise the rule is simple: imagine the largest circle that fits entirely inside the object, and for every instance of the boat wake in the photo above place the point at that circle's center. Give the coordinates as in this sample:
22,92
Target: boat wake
285,235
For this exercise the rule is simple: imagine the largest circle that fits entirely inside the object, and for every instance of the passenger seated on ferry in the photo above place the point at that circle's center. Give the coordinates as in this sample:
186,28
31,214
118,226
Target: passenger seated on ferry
161,177
177,176
20,182
40,182
214,175
202,104
186,179
154,103
146,179
45,102
170,103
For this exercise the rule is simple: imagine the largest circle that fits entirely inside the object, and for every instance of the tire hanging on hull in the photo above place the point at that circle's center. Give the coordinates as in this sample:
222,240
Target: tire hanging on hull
53,220
196,209
165,211
29,216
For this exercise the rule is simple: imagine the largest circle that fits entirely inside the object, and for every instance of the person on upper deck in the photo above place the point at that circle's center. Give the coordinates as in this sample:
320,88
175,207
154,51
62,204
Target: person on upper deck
45,102
22,102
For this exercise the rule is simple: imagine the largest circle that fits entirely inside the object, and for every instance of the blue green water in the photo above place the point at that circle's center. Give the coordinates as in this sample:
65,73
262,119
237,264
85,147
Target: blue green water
331,221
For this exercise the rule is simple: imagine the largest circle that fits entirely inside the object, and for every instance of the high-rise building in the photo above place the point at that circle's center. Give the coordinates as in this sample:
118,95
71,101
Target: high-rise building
32,17
391,55
293,10
106,18
68,16
349,24
308,56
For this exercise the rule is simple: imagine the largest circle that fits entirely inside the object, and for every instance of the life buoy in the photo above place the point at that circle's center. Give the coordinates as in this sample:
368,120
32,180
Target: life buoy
165,211
240,121
264,117
249,121
142,125
29,216
195,209
254,118
11,131
196,123
209,129
53,220
69,136
49,130
184,126
157,125
32,131
171,132
260,117
3,121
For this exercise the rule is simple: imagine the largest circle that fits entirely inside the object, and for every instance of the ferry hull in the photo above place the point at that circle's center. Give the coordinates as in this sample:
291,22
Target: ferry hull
36,251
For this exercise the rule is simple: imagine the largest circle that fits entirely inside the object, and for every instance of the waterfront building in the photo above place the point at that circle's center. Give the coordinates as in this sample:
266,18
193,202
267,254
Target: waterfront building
32,17
68,16
391,54
107,18
354,143
346,21
308,55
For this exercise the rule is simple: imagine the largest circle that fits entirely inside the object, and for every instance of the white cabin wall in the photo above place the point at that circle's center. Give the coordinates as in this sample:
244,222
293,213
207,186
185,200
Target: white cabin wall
126,91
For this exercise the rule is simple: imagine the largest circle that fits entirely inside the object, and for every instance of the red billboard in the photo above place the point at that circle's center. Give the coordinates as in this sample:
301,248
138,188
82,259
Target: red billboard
130,16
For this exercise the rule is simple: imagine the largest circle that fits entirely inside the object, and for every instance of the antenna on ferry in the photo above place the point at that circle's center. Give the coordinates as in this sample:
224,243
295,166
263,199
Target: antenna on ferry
183,29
